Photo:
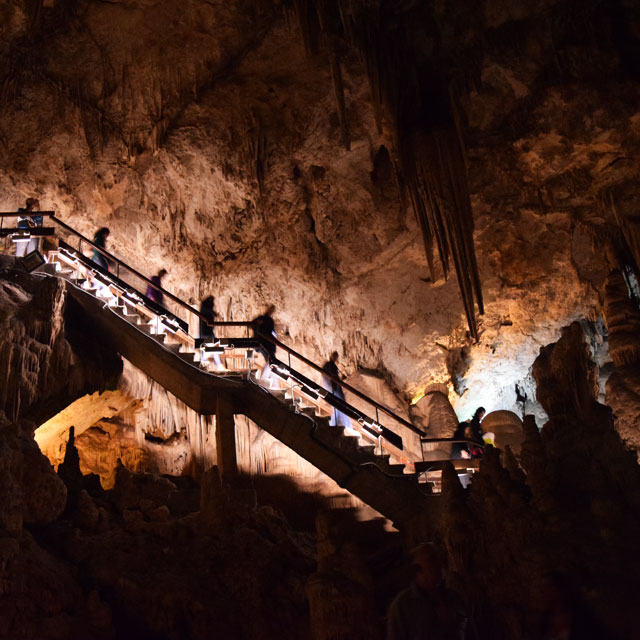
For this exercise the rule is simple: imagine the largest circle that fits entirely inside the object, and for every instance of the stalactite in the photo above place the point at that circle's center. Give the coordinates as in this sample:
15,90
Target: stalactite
255,151
338,89
411,93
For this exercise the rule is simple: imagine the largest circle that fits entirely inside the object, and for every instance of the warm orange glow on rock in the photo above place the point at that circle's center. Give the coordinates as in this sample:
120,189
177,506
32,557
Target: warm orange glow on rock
52,435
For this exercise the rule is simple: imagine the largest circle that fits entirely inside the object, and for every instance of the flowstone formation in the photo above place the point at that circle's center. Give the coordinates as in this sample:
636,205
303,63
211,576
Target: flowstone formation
212,142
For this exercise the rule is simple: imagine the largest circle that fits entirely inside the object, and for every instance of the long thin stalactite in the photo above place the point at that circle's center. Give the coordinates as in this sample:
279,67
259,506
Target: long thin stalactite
412,98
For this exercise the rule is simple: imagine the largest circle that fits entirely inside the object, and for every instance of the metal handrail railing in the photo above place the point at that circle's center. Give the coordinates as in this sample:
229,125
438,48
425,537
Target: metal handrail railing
181,303
353,390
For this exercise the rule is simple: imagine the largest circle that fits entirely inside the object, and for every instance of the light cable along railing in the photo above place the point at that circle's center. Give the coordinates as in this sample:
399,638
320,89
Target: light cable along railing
117,289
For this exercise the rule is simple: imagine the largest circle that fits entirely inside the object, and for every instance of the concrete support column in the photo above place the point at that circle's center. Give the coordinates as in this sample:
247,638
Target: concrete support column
226,438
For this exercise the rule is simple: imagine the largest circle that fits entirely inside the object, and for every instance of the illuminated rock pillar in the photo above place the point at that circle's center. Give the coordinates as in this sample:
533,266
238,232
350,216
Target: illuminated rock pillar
226,439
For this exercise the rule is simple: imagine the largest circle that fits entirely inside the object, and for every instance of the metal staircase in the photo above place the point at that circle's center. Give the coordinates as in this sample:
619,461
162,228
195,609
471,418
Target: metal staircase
369,459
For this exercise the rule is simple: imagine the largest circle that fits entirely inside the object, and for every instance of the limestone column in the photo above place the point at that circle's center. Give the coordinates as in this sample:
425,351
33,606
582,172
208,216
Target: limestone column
226,438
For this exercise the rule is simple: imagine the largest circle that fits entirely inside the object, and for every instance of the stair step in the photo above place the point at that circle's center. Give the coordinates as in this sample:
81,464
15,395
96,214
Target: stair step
187,357
397,469
369,449
350,443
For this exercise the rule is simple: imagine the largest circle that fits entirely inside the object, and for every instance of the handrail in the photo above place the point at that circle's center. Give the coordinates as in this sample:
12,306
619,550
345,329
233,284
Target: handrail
22,214
357,393
113,258
245,323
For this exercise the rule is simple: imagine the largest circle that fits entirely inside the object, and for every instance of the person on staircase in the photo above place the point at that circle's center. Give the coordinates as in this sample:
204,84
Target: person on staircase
100,240
477,432
207,318
28,222
460,450
154,293
338,418
263,328
427,609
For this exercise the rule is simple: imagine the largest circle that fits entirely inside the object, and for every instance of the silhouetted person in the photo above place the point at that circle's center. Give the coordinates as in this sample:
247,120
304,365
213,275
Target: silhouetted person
331,367
207,318
100,240
28,222
263,326
474,424
427,610
155,294
460,450
476,431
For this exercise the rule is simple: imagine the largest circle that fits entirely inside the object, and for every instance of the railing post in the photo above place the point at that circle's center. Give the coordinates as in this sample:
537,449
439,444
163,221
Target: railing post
117,270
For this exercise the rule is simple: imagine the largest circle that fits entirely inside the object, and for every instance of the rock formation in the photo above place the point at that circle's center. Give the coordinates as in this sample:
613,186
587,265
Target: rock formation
224,145
319,156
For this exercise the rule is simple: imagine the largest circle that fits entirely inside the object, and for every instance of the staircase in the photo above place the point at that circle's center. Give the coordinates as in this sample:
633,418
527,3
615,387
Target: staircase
372,477
368,460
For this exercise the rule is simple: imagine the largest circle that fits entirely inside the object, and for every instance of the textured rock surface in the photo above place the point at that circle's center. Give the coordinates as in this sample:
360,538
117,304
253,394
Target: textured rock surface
216,151
623,385
47,364
164,556
567,527
210,144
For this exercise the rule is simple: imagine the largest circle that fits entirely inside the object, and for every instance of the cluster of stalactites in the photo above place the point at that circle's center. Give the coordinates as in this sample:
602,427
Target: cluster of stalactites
411,95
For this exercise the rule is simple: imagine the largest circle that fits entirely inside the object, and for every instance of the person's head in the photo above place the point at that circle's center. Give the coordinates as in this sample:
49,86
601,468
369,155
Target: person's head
103,232
269,310
461,431
31,204
162,273
207,303
334,356
429,568
479,414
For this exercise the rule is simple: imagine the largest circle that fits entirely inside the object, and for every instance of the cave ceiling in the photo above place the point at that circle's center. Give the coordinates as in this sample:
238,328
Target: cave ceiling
307,153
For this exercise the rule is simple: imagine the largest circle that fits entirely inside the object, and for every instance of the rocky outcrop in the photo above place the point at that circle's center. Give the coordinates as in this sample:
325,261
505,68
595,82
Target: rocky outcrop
623,385
559,524
51,355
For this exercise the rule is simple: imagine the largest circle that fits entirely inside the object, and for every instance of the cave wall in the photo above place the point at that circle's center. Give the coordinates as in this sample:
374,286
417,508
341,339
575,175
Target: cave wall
215,150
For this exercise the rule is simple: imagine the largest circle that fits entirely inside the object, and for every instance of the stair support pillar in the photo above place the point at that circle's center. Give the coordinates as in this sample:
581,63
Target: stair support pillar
226,438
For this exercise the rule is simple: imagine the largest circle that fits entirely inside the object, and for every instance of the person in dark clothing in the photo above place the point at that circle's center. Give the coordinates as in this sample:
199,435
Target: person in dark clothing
207,318
155,294
100,240
428,609
460,450
337,417
263,326
474,425
28,222
477,432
